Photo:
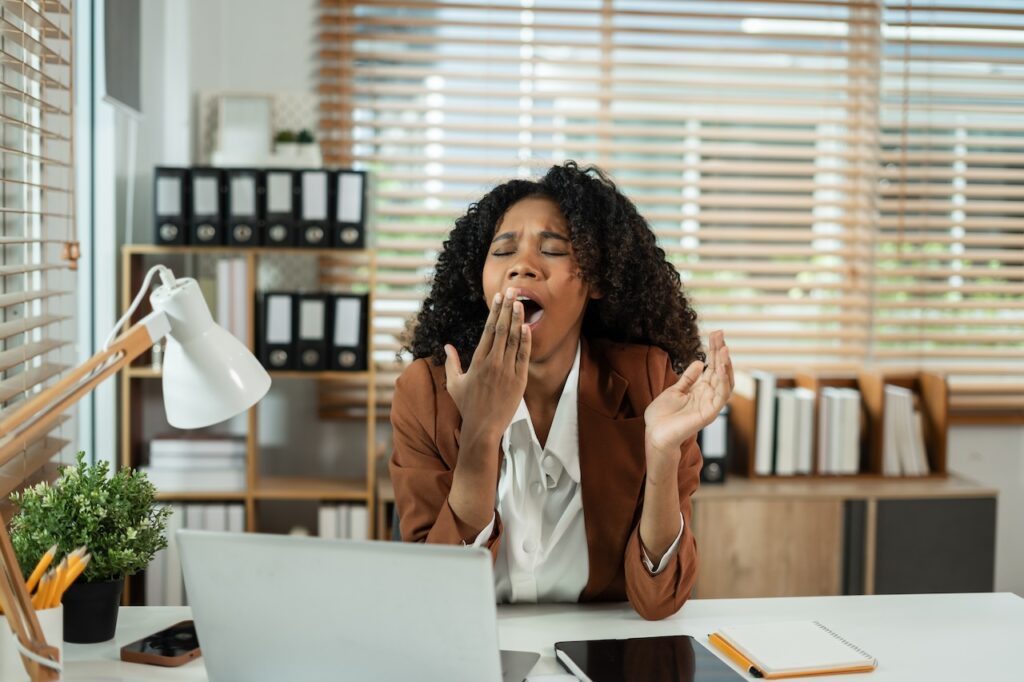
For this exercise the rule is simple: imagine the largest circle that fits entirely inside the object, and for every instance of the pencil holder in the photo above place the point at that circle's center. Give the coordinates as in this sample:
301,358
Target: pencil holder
51,621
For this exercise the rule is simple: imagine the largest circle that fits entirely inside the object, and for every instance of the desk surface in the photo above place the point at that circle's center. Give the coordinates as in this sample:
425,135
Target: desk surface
915,637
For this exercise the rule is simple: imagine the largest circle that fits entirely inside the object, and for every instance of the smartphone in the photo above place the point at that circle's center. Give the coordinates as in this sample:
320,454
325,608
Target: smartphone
170,647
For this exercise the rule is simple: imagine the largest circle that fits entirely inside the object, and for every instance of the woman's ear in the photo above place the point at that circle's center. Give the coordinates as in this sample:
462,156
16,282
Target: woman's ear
594,293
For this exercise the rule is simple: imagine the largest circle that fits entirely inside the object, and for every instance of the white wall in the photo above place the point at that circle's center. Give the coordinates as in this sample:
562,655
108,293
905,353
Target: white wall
994,456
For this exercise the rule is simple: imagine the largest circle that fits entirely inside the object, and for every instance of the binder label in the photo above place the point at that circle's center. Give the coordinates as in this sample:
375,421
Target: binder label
168,197
314,196
243,195
279,319
346,321
204,195
279,193
350,197
311,320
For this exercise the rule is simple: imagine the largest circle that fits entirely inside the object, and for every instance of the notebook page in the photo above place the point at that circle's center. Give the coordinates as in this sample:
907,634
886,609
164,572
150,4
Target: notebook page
794,646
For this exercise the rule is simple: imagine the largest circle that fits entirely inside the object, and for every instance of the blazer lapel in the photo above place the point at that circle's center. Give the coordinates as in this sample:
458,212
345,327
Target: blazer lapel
612,466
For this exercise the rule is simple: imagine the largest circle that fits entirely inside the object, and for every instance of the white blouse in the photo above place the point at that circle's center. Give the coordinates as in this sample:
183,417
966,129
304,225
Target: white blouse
543,552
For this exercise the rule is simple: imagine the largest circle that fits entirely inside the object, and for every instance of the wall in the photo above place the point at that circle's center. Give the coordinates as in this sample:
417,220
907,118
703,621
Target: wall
994,456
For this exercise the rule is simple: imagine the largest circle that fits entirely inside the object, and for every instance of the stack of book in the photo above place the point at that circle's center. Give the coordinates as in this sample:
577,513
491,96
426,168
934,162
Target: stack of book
343,521
164,583
197,464
839,431
903,448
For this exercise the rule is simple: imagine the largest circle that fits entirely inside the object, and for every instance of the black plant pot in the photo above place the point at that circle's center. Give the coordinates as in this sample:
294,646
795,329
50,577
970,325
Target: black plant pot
90,611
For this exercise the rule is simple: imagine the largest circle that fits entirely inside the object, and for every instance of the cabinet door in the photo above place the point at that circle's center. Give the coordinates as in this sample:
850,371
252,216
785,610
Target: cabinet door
768,548
935,545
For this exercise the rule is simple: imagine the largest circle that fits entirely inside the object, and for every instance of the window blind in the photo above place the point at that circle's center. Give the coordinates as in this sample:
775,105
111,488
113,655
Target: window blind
949,271
37,239
763,141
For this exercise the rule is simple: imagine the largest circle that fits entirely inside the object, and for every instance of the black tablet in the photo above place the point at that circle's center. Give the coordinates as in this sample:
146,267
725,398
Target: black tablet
678,658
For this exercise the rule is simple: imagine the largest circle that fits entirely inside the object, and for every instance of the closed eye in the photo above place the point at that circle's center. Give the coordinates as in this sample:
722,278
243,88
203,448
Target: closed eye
545,253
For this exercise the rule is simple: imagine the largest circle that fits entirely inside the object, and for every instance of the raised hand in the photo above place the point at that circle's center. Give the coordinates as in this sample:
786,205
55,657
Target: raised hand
688,405
488,394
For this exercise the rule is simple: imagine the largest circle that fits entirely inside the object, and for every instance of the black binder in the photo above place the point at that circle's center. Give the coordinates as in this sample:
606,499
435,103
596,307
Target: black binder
349,230
277,331
311,332
714,447
348,332
315,208
171,204
281,200
207,224
244,197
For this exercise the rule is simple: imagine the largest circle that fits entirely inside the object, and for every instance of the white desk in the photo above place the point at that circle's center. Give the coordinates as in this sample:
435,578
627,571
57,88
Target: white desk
915,637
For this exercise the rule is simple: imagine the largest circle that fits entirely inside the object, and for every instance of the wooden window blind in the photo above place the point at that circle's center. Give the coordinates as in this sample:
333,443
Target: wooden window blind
949,268
763,141
37,307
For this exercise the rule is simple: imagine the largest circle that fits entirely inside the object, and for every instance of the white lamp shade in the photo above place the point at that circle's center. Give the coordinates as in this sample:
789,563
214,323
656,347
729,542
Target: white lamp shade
208,375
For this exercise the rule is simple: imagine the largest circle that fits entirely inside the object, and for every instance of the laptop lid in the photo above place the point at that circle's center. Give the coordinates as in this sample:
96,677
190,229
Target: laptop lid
274,607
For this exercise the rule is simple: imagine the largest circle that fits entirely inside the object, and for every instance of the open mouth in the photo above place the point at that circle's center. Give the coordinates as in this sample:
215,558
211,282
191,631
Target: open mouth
532,310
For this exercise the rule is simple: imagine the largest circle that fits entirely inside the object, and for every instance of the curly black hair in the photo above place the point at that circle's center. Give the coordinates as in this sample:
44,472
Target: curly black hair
642,302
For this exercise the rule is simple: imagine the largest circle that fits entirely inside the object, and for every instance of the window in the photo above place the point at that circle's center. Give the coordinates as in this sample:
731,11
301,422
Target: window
37,306
764,142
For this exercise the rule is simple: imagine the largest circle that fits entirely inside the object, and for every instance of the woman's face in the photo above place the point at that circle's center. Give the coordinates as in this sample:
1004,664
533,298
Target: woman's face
531,252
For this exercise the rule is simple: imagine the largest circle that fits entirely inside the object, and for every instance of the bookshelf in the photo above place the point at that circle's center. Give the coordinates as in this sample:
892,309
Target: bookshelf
135,381
931,394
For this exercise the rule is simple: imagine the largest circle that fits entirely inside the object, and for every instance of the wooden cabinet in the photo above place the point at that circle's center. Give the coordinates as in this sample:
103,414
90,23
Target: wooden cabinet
810,537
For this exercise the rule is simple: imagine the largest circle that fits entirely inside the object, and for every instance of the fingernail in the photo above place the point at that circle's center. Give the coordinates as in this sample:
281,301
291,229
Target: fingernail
497,298
510,293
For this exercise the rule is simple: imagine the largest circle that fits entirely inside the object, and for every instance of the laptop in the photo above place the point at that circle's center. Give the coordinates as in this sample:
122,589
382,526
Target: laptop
277,607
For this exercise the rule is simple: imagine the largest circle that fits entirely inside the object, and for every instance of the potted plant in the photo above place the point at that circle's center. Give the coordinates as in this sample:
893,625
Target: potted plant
286,142
115,517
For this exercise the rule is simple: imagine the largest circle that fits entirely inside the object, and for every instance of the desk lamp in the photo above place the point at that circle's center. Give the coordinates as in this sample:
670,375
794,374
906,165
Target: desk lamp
208,376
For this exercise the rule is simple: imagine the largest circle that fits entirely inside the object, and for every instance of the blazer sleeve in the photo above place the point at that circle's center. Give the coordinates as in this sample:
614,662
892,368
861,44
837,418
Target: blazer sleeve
421,477
657,596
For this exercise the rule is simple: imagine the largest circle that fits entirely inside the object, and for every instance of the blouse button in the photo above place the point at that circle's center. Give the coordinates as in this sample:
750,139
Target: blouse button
529,545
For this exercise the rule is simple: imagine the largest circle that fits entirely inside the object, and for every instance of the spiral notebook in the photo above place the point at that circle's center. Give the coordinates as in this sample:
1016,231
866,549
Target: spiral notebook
791,649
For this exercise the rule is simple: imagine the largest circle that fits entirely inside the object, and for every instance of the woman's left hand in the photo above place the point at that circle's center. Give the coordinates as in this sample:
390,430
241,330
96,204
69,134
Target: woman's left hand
689,405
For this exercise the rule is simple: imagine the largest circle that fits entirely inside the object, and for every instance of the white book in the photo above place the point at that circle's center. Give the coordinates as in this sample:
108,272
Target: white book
215,480
764,433
851,444
825,428
236,518
215,517
223,315
920,455
344,522
239,307
174,587
191,448
195,516
785,432
327,526
891,460
206,463
805,430
155,576
359,520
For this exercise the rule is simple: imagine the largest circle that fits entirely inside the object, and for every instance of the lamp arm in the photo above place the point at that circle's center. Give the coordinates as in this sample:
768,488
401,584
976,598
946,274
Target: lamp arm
37,414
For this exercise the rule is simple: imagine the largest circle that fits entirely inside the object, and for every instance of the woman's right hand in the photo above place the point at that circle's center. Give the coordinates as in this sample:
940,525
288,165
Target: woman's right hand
489,393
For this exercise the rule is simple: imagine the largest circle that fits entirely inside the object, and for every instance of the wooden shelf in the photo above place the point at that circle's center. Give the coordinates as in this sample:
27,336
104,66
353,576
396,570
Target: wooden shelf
201,496
189,250
362,377
305,488
864,486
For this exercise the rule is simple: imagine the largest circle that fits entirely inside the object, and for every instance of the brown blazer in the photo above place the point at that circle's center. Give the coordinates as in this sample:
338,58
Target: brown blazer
617,382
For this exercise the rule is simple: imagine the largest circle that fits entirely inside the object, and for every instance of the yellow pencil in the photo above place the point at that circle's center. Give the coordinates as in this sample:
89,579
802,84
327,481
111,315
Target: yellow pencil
58,580
44,563
43,586
72,575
